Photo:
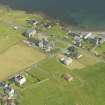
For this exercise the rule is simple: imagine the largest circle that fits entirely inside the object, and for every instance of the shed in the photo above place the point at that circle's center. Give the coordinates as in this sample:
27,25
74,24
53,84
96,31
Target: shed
68,77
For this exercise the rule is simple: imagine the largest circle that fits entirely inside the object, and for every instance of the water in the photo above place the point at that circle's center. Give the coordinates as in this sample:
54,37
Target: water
81,13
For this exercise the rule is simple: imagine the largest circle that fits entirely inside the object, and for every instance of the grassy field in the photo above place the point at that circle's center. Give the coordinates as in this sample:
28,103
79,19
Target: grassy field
87,87
17,58
101,49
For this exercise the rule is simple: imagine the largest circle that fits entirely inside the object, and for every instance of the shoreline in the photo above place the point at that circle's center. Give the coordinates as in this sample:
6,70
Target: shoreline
77,28
69,26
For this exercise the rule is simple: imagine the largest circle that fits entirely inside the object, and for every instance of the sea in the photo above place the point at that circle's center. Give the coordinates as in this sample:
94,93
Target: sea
86,14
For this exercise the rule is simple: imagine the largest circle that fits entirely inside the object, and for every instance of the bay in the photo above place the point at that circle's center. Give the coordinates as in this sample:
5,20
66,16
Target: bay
80,13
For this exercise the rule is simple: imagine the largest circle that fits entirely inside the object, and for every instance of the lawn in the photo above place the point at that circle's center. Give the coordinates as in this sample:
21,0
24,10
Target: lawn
87,87
17,58
101,49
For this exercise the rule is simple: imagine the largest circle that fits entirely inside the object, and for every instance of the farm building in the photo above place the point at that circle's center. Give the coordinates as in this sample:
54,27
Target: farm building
68,77
20,80
30,33
9,91
66,60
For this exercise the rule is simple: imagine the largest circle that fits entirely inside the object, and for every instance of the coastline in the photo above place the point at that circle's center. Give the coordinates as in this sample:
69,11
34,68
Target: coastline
70,26
74,27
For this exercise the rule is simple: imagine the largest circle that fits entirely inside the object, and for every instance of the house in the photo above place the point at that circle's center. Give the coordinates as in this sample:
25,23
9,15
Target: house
66,60
47,25
30,33
9,91
3,85
74,34
49,48
40,44
79,56
93,40
45,45
88,35
20,79
32,22
101,38
77,41
68,77
73,52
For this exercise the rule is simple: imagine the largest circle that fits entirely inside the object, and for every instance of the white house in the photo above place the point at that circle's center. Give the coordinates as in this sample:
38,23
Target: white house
9,91
66,60
20,80
87,35
30,33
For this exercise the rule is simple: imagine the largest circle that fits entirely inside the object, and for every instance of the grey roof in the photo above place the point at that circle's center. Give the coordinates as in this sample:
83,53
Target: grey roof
77,39
19,77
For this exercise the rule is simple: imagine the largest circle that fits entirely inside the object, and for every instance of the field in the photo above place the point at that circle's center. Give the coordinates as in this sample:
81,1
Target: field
17,58
87,87
101,50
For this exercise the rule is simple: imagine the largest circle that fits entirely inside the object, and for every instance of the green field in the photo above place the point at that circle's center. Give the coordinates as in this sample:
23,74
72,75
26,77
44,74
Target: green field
17,58
101,50
87,87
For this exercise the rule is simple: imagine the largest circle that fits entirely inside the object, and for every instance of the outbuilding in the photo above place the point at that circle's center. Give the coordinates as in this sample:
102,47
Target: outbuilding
68,77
